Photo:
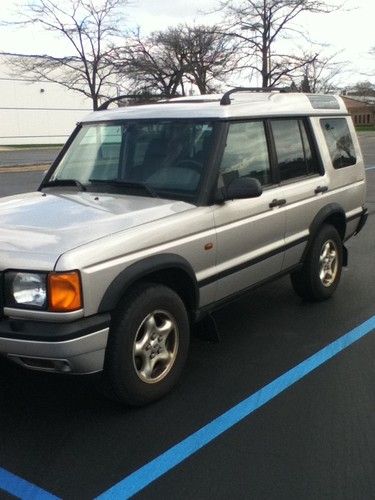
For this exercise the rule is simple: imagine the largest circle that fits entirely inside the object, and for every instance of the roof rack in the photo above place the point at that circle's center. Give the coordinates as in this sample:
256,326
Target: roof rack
225,100
105,104
204,98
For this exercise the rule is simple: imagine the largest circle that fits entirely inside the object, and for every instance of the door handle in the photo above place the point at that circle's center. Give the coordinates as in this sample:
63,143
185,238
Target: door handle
321,189
277,203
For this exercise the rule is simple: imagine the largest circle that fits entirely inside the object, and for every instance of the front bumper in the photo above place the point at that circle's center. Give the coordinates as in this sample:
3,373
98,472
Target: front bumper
77,347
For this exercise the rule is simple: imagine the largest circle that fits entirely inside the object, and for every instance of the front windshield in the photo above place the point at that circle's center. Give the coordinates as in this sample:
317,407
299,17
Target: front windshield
166,156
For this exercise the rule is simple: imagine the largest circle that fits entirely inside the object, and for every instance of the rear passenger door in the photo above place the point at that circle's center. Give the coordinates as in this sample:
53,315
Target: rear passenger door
303,181
250,232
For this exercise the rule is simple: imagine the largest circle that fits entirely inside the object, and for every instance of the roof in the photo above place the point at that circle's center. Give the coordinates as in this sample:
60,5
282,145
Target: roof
243,104
357,102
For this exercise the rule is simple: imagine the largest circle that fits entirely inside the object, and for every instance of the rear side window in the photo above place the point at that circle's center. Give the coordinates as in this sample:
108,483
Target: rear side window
293,150
339,142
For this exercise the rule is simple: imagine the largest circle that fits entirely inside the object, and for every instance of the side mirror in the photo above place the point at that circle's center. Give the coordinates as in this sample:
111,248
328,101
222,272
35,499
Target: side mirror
242,188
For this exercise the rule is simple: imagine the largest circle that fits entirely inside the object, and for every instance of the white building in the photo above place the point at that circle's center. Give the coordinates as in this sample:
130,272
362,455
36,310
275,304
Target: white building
37,112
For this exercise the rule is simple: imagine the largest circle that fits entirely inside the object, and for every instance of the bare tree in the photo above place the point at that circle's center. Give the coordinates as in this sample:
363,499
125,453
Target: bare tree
168,60
153,64
363,89
320,75
209,56
261,24
89,27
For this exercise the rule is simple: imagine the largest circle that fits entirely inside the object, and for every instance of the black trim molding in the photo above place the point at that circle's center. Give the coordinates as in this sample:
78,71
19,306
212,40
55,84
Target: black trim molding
142,269
251,262
354,217
201,313
43,331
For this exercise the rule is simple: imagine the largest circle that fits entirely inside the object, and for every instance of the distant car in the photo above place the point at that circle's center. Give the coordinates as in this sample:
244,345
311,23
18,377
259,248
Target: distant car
153,216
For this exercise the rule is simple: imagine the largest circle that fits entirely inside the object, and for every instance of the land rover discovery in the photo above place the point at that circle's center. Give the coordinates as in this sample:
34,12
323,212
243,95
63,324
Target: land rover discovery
153,216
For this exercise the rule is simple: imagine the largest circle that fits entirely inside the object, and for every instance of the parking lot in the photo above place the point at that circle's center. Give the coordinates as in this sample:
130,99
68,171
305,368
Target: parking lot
310,435
27,156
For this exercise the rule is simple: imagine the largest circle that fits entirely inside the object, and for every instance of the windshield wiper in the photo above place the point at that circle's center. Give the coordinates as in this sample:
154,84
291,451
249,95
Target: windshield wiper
127,184
64,182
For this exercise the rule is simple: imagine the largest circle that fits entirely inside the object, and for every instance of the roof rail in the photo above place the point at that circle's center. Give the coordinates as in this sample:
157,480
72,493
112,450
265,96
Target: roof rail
105,104
225,100
204,98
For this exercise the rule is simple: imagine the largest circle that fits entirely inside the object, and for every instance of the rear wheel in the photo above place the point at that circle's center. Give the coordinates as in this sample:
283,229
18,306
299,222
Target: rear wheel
320,274
148,344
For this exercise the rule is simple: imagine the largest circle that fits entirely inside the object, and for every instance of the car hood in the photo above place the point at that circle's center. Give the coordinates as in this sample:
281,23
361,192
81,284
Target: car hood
51,224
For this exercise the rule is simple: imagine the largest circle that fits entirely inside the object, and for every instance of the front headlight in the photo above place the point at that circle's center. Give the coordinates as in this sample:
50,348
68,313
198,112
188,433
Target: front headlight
53,292
26,290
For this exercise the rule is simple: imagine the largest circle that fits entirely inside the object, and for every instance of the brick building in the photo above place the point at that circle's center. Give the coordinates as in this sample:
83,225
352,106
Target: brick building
362,112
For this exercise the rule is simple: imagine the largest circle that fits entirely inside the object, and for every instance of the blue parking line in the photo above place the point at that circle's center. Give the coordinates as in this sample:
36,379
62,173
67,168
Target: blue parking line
21,488
153,470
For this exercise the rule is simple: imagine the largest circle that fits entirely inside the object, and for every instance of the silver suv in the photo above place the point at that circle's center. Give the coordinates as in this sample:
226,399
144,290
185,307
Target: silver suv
153,216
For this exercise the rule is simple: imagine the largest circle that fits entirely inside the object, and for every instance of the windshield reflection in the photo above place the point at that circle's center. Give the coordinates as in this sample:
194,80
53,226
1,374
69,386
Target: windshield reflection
165,158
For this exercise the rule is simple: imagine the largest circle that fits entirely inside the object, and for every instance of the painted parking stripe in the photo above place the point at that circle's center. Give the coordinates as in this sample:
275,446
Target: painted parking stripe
153,470
22,489
370,168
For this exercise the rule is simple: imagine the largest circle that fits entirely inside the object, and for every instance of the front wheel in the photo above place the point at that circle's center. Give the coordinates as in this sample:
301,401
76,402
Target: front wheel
320,274
147,345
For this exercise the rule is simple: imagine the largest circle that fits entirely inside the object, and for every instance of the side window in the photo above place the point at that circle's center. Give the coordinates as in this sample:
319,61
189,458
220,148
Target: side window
339,142
293,150
246,153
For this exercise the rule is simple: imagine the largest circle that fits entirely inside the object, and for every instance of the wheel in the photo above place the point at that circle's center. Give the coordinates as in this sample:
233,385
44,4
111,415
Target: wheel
147,345
320,274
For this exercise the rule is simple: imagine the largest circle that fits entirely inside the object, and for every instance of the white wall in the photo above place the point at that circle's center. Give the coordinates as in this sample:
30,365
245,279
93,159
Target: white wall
37,113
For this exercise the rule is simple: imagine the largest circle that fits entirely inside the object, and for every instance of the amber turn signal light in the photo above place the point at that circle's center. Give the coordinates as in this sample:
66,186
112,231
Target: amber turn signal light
64,291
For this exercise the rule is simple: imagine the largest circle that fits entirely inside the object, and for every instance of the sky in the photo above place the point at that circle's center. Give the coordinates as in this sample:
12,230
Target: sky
349,31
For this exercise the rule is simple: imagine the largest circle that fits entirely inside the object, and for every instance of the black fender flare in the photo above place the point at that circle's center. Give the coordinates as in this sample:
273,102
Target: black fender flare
140,270
332,209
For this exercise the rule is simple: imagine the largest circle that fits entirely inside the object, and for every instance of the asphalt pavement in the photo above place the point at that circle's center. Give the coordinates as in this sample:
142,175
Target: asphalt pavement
28,156
311,438
20,182
367,142
46,155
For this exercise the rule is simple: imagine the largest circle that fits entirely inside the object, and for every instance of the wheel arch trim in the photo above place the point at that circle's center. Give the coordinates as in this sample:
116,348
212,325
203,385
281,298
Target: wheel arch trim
141,270
332,209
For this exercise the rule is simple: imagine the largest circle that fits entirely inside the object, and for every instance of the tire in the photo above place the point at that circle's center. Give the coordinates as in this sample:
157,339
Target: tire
147,345
321,271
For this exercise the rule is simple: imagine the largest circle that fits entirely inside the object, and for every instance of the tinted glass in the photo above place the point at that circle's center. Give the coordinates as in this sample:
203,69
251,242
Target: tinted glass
246,153
310,158
339,142
293,151
168,156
